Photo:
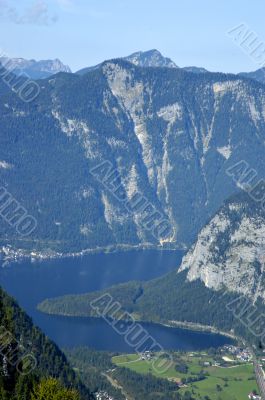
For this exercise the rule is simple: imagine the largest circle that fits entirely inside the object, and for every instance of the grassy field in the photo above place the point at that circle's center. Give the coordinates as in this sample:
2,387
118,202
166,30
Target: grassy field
232,383
235,383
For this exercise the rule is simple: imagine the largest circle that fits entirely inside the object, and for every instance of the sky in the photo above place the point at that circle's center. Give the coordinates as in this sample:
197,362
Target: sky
82,33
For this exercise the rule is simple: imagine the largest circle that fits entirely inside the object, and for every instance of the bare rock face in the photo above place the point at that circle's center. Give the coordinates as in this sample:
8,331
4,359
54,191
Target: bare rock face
230,250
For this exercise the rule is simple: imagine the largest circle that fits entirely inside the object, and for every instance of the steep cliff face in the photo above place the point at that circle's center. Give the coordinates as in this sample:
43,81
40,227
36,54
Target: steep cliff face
230,250
167,137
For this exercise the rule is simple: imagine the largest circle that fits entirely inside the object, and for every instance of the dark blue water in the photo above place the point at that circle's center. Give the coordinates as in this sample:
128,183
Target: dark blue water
30,283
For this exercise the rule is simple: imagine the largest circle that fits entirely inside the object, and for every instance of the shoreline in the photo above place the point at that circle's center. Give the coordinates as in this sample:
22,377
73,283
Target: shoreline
190,326
11,255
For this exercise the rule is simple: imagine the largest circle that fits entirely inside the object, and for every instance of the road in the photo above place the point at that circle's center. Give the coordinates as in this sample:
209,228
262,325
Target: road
115,384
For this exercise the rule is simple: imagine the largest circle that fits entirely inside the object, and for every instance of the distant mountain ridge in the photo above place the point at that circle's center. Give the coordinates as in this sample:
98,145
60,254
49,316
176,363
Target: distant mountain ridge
258,75
151,58
147,59
196,70
32,68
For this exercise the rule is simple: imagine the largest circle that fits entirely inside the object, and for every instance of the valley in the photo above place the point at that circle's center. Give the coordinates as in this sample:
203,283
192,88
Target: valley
32,282
202,373
132,215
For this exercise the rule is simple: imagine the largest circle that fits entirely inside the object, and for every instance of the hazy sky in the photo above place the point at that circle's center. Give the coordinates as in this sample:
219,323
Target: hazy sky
85,32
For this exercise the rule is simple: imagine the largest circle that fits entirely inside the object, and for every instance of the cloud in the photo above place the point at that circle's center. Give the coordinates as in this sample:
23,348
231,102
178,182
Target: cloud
37,14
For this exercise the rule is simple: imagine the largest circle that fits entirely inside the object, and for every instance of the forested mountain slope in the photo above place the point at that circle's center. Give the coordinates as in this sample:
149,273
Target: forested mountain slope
167,136
258,75
28,359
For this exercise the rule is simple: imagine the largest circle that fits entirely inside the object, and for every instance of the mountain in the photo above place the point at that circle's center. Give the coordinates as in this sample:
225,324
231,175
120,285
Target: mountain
150,58
32,68
258,75
29,361
195,70
125,155
230,250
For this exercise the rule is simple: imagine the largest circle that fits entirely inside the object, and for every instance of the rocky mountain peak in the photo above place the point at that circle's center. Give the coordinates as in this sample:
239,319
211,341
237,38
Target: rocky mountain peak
150,58
34,69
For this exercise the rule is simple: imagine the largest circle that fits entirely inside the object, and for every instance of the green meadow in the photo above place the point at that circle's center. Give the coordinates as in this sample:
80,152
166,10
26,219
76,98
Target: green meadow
220,383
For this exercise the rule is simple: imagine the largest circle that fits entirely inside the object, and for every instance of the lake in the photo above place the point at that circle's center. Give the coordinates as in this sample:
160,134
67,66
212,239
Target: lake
30,283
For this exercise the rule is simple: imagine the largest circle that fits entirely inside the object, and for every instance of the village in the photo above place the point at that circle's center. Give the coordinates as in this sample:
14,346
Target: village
239,353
